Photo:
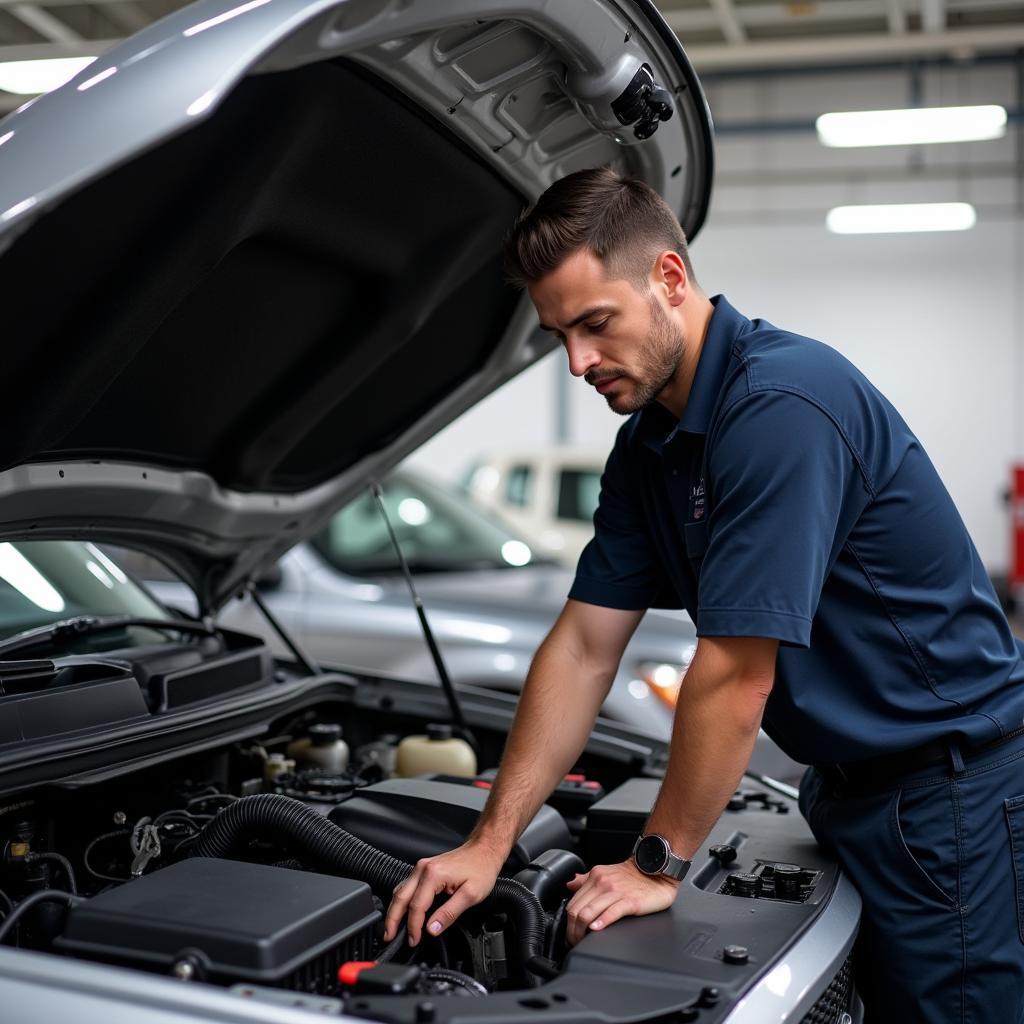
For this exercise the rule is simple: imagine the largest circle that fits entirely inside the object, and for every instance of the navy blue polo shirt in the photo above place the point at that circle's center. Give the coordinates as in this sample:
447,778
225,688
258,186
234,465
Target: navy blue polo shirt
792,501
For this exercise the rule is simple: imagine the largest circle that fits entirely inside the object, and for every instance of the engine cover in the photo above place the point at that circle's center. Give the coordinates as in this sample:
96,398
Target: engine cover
414,818
235,921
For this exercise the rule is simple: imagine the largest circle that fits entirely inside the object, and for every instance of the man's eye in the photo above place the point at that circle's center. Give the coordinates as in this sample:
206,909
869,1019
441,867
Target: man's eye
598,327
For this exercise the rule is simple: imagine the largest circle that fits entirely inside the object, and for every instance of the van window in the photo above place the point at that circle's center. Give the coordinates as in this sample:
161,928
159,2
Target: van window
517,487
578,491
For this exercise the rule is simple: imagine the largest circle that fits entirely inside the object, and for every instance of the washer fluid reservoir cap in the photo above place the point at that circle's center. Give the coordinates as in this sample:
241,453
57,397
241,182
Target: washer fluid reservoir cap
323,734
439,731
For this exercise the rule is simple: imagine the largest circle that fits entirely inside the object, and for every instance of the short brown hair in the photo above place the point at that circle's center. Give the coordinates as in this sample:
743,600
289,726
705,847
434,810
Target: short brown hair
624,222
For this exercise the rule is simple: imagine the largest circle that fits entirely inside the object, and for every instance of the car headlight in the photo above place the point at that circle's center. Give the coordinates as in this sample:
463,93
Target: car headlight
663,678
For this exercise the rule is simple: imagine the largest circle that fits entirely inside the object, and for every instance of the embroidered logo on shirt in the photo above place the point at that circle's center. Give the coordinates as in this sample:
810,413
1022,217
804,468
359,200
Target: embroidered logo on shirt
697,500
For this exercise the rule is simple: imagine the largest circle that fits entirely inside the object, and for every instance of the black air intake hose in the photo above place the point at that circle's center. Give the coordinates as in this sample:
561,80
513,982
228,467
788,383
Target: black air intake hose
332,849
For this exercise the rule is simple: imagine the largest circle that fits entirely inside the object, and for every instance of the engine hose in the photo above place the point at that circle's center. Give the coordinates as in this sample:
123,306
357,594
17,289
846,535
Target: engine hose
332,849
390,951
65,864
42,896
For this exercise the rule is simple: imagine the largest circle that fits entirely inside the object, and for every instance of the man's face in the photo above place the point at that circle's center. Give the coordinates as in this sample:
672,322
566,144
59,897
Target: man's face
619,339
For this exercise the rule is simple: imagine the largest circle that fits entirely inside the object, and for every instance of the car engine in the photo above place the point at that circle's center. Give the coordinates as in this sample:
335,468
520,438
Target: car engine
265,867
250,867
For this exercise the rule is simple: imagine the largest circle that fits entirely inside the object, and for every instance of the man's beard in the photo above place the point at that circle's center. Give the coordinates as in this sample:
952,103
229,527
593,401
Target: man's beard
657,362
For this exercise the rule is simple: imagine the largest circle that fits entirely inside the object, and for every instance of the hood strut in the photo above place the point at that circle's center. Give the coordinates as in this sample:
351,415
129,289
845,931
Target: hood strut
305,661
458,719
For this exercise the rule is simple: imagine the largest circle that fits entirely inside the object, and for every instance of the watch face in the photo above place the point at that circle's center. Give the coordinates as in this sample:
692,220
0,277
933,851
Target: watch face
651,855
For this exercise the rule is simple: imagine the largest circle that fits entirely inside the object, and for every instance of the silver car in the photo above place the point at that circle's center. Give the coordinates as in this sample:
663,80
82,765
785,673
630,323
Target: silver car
489,599
250,260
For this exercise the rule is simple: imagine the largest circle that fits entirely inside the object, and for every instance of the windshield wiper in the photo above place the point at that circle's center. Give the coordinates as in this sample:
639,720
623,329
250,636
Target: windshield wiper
68,630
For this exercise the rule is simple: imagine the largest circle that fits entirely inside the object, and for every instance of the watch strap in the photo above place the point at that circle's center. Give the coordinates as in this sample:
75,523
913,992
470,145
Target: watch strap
677,866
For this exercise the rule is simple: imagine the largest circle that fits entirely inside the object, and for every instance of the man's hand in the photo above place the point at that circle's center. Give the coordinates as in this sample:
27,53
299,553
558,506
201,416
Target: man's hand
611,891
467,874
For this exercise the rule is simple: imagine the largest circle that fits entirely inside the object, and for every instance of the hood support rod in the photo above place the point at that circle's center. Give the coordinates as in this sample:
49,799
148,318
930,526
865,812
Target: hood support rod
458,718
306,663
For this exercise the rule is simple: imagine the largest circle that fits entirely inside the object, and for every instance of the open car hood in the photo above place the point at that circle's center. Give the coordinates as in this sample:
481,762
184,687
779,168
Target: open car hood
251,255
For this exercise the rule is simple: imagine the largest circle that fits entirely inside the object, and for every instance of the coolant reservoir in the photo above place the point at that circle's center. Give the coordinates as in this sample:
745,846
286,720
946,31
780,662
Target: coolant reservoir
438,751
323,747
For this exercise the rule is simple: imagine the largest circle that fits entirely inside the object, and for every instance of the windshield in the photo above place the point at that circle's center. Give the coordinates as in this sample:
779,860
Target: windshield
438,530
46,581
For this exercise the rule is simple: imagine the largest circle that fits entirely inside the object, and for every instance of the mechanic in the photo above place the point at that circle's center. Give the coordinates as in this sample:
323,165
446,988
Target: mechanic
765,485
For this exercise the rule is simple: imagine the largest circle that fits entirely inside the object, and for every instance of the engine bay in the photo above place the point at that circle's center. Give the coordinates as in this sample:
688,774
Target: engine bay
163,865
264,867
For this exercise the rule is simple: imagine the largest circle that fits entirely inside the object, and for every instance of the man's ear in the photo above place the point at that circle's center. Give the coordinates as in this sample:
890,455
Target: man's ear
669,275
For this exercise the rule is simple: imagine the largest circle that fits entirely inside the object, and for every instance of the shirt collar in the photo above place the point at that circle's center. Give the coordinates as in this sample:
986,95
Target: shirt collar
657,426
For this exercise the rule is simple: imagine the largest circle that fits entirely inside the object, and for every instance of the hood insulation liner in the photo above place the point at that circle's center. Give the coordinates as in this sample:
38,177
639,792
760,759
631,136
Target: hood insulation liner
265,298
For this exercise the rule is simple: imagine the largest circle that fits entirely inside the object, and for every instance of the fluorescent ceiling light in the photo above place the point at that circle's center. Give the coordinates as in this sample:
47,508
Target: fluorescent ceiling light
31,77
911,127
21,574
900,217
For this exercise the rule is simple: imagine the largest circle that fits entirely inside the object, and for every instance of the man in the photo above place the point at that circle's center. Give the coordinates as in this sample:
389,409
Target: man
765,485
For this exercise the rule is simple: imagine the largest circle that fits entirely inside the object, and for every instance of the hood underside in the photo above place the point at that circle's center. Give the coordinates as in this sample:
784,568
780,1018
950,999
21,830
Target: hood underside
264,298
228,317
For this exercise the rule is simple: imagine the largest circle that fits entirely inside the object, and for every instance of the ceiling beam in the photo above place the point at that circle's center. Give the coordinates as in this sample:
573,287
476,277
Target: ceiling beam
703,19
982,5
789,177
48,25
872,46
40,51
728,21
64,3
757,15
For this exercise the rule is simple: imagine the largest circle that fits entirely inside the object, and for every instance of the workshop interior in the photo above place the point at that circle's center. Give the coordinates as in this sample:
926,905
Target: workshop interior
293,485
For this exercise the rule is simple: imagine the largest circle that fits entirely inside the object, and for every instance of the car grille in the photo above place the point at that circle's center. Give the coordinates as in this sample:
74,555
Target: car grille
833,1005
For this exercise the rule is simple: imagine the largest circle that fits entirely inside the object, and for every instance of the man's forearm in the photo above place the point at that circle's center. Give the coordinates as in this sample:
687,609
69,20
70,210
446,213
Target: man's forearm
567,684
560,701
717,718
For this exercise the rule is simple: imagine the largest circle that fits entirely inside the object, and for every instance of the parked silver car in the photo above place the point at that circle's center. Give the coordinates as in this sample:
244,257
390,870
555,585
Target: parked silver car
490,600
250,262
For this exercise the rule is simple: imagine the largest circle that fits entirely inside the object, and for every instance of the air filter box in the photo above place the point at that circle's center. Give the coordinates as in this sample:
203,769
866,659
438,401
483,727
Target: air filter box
236,921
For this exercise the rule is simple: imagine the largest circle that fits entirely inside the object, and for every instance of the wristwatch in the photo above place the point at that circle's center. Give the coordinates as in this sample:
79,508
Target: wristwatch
653,856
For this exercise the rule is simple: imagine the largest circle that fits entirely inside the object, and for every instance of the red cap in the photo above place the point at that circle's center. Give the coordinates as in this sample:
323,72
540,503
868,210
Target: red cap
348,973
575,778
591,785
481,784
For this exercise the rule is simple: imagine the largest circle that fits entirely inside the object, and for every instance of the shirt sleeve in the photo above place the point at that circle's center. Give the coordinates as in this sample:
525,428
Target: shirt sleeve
785,492
620,567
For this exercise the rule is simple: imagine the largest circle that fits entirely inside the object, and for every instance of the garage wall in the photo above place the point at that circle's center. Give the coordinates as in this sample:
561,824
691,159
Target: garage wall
935,320
936,331
522,413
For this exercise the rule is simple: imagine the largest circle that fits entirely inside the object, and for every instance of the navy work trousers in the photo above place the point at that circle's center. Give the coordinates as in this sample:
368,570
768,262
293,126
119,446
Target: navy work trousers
939,861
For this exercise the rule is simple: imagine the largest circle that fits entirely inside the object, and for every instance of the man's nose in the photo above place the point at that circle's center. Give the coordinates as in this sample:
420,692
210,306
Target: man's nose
582,356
